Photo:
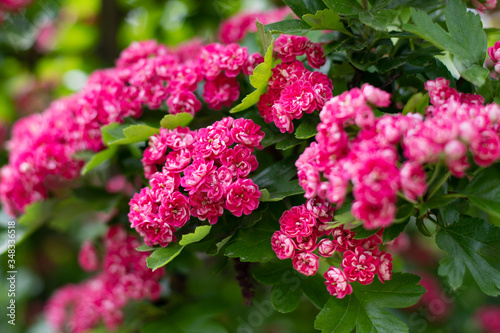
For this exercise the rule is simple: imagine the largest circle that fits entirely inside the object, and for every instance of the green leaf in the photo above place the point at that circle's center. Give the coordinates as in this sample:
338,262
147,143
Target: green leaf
277,192
326,19
258,80
198,234
303,7
254,244
380,20
416,104
365,309
146,248
163,256
394,231
468,243
266,36
307,129
115,134
98,159
290,27
288,143
289,285
465,39
345,7
171,121
484,190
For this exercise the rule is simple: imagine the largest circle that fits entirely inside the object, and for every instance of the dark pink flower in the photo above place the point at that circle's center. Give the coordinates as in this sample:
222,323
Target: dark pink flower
242,197
283,245
306,263
360,265
336,283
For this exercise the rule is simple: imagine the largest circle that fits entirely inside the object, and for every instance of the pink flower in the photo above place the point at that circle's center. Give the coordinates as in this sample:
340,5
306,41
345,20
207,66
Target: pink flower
326,247
376,96
87,257
306,263
239,161
385,267
232,59
222,91
205,208
289,47
307,244
297,221
374,215
488,317
297,98
286,74
344,239
322,87
252,61
482,5
283,245
360,265
336,283
196,175
485,148
413,180
316,55
266,102
177,160
175,209
183,101
246,132
155,231
242,197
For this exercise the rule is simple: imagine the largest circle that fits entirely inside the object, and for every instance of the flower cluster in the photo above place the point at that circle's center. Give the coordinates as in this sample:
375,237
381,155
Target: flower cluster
202,173
236,27
101,299
43,146
352,145
293,90
304,229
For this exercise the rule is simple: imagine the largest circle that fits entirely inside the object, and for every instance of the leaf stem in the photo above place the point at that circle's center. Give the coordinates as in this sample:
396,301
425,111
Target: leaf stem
438,185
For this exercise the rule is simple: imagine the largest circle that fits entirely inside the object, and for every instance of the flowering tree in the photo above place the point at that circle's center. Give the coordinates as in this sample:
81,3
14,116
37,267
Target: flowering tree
307,159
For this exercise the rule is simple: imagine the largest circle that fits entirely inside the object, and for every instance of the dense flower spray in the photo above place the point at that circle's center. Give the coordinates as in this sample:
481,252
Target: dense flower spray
305,235
292,89
454,124
196,173
147,73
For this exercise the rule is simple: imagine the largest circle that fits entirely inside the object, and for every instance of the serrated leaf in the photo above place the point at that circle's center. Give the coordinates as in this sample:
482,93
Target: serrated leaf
171,121
115,134
468,243
254,244
258,80
326,19
98,159
307,129
345,7
196,236
484,190
163,256
465,39
303,7
289,27
365,309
